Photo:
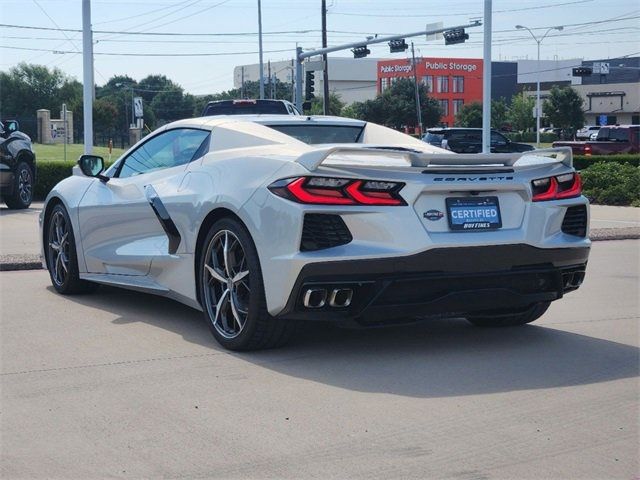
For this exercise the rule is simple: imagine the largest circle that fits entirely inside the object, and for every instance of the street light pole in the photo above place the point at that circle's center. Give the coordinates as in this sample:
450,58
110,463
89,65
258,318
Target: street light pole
260,48
87,76
538,41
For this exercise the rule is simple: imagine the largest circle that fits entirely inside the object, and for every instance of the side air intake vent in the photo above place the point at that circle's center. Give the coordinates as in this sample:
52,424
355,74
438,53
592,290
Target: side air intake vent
575,221
323,231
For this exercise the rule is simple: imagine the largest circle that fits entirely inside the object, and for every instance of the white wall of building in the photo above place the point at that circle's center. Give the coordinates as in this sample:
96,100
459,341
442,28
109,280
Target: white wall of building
354,79
550,71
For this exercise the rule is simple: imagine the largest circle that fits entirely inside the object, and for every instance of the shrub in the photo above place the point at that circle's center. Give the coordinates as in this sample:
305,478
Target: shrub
50,173
584,161
612,183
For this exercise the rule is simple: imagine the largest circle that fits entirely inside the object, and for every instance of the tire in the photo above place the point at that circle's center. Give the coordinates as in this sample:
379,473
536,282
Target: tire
232,291
22,188
510,319
61,255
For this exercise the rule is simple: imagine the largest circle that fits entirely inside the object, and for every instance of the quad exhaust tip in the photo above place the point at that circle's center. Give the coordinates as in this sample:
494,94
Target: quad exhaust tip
341,297
315,298
337,297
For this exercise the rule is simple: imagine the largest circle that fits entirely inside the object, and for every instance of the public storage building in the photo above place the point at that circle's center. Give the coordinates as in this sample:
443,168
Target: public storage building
453,82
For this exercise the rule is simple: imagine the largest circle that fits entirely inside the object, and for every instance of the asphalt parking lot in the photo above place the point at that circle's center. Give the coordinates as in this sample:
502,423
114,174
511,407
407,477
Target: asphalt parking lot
123,385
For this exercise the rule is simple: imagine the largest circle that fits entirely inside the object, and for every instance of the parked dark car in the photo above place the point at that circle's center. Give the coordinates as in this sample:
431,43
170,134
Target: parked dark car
250,107
610,141
17,166
469,140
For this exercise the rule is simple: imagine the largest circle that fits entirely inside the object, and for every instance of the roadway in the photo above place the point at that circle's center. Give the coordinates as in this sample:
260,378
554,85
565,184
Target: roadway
124,385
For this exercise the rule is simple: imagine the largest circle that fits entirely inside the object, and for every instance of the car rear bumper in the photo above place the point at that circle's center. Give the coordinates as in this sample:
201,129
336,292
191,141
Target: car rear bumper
437,282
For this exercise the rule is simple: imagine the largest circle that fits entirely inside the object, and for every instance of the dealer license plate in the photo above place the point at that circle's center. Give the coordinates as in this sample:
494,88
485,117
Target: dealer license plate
473,213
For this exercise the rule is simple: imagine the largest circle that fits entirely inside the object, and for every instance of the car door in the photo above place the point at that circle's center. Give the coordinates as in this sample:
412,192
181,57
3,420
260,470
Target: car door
120,223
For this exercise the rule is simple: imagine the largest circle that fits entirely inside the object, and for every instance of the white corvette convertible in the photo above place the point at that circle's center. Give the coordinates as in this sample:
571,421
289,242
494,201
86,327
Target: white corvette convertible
265,221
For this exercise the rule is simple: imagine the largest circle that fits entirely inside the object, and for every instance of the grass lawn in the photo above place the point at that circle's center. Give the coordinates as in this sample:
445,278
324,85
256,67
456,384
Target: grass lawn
47,153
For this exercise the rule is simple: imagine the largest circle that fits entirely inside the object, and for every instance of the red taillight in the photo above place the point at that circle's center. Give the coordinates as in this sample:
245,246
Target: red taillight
369,197
323,196
568,185
338,191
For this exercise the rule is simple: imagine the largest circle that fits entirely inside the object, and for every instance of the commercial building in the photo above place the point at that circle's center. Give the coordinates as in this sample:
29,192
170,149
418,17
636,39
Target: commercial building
452,82
353,79
611,94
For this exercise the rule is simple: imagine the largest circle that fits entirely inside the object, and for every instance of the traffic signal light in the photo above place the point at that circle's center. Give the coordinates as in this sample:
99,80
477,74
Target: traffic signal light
309,84
360,52
397,46
457,35
582,71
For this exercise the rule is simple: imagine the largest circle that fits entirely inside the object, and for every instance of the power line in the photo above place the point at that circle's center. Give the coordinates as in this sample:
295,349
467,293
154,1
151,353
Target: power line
145,54
412,15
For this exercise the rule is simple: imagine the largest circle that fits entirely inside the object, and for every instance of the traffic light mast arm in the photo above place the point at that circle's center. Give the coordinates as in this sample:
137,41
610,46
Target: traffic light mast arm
363,43
300,55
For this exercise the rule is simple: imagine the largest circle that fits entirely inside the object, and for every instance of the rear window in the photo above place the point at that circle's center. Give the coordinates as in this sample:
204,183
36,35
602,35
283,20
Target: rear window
613,134
434,138
245,108
316,134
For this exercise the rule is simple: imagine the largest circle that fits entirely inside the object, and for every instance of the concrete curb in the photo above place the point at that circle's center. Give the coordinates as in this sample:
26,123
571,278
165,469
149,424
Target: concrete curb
20,262
32,262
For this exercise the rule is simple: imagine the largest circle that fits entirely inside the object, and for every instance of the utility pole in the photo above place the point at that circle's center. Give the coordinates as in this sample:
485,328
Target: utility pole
293,83
260,48
87,76
269,77
415,80
486,80
242,82
325,62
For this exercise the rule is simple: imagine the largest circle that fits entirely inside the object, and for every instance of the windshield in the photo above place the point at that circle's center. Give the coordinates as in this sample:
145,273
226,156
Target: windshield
317,134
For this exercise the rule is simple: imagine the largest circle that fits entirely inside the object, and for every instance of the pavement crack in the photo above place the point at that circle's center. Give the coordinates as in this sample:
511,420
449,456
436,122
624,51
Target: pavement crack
112,364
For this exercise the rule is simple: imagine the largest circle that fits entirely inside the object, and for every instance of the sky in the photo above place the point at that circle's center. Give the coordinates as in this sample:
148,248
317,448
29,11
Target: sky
203,40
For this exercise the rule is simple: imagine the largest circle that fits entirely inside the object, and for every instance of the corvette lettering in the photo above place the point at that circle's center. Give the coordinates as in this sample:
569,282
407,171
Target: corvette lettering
472,179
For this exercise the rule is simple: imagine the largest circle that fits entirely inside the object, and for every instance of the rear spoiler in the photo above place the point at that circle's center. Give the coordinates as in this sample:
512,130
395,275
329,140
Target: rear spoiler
313,159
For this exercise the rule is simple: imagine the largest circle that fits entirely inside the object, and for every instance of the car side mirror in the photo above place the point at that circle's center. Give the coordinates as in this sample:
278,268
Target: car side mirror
92,166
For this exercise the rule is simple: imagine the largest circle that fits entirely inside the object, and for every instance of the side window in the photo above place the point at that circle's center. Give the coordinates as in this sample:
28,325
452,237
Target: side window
168,149
498,139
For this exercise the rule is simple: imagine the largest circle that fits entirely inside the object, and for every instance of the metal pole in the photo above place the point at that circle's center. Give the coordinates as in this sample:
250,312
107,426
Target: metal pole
325,67
260,48
538,98
269,77
66,129
415,81
293,83
242,82
486,80
299,78
87,76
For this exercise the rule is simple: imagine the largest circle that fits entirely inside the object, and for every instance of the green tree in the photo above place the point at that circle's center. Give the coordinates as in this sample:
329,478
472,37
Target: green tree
26,88
499,113
470,115
335,105
563,108
171,105
521,112
153,85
